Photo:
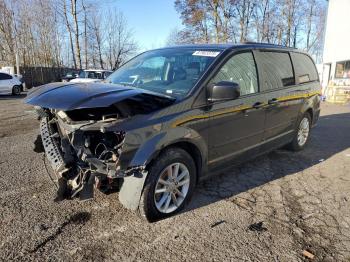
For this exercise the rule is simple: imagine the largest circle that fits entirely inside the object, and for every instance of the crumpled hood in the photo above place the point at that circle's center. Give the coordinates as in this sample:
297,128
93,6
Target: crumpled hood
70,96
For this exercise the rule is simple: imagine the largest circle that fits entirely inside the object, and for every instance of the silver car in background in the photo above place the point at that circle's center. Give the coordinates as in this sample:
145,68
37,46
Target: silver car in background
10,84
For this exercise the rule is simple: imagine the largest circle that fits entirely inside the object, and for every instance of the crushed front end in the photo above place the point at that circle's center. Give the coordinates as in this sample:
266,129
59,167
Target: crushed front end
91,133
81,158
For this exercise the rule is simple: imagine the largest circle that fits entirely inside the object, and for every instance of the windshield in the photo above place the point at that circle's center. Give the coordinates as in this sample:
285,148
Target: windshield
172,72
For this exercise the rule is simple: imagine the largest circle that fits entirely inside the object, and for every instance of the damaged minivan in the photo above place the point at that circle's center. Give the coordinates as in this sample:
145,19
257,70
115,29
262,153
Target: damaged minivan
170,117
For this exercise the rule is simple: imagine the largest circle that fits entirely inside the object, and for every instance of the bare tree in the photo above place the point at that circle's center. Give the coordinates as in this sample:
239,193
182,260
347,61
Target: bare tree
196,19
6,30
69,28
244,10
74,13
285,22
41,39
85,8
96,26
119,43
174,37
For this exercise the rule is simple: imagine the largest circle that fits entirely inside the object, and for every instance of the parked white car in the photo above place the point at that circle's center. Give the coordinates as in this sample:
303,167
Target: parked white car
10,84
90,76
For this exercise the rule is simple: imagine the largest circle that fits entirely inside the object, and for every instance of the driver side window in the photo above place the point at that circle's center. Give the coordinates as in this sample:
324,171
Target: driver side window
241,69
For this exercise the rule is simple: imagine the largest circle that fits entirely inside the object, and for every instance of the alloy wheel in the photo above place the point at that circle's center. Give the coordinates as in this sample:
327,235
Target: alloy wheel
303,131
172,188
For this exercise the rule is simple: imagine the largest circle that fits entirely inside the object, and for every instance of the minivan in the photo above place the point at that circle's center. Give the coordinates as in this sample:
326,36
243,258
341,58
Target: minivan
171,117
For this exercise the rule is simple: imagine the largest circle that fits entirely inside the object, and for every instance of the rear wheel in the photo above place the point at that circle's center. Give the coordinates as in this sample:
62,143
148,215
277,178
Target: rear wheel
301,136
169,186
16,90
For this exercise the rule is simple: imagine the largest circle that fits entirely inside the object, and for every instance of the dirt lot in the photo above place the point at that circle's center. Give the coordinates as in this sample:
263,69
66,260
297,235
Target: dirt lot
302,200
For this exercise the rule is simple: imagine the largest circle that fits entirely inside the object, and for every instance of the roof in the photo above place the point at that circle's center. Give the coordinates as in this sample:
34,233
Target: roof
231,46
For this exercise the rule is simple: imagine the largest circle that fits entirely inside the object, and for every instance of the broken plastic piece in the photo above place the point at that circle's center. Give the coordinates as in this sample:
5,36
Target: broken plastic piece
308,254
257,227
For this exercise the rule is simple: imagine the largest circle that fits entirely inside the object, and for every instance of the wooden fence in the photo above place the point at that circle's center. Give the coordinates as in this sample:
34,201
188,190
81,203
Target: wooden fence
35,76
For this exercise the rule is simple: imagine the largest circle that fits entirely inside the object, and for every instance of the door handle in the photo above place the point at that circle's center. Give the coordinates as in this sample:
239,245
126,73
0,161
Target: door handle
258,105
273,101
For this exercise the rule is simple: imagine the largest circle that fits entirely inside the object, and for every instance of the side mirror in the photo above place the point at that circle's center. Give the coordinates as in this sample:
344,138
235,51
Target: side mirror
223,91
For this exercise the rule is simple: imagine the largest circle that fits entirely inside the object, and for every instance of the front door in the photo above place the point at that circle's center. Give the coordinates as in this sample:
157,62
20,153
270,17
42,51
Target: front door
5,83
236,127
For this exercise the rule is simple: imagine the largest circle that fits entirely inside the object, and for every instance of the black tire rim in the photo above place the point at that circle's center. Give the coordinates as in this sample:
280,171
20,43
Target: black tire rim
16,90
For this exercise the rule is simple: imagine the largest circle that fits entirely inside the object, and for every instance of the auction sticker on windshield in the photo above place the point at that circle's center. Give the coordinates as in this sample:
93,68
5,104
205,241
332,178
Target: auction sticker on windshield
206,53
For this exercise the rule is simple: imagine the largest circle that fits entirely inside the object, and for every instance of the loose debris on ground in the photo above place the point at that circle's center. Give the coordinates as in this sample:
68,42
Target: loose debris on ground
294,202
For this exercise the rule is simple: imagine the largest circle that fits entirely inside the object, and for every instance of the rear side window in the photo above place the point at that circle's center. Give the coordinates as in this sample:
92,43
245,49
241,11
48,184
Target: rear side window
5,76
304,67
276,71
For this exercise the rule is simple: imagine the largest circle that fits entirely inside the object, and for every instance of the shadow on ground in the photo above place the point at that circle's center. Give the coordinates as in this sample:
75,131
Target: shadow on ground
329,137
13,97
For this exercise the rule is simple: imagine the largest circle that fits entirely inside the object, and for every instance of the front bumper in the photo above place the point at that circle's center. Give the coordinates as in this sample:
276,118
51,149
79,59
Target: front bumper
51,147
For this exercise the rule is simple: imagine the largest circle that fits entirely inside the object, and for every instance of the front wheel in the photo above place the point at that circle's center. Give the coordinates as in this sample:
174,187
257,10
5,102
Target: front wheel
16,90
169,186
301,136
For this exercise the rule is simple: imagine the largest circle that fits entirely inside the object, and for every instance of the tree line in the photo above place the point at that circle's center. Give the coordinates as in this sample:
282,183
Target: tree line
63,33
83,34
293,23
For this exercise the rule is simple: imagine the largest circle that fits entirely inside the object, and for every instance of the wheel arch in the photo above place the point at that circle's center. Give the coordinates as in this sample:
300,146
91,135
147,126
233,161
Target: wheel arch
310,111
16,85
186,139
191,148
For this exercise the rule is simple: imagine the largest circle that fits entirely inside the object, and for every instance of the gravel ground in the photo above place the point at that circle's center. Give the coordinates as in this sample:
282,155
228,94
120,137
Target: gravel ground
270,209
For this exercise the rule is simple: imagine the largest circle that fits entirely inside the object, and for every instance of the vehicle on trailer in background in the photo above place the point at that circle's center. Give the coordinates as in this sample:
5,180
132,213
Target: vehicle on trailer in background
170,117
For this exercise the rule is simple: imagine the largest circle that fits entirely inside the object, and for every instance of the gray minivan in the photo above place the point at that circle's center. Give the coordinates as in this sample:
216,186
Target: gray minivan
172,116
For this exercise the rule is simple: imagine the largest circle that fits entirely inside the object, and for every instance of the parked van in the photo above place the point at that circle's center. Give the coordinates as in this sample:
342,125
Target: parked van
170,117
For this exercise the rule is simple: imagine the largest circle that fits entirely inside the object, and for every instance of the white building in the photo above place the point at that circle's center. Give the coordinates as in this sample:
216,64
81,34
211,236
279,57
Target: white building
335,76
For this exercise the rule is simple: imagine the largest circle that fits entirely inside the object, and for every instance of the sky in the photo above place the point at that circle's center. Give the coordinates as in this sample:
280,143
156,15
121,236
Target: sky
151,20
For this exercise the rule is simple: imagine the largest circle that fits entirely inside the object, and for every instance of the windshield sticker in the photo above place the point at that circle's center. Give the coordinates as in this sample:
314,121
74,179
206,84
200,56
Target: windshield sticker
206,53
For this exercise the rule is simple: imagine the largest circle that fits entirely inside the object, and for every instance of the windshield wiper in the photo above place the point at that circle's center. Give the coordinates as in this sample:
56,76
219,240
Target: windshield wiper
125,84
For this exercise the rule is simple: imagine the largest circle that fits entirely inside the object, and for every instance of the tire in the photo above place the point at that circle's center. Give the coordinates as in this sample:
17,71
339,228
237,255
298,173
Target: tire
152,206
16,90
304,126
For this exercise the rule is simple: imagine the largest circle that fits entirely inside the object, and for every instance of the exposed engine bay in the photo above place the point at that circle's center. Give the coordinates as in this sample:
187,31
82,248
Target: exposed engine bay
80,151
81,159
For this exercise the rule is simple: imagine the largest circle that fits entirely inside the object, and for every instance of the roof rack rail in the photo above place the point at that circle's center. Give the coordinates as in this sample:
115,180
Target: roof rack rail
266,44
